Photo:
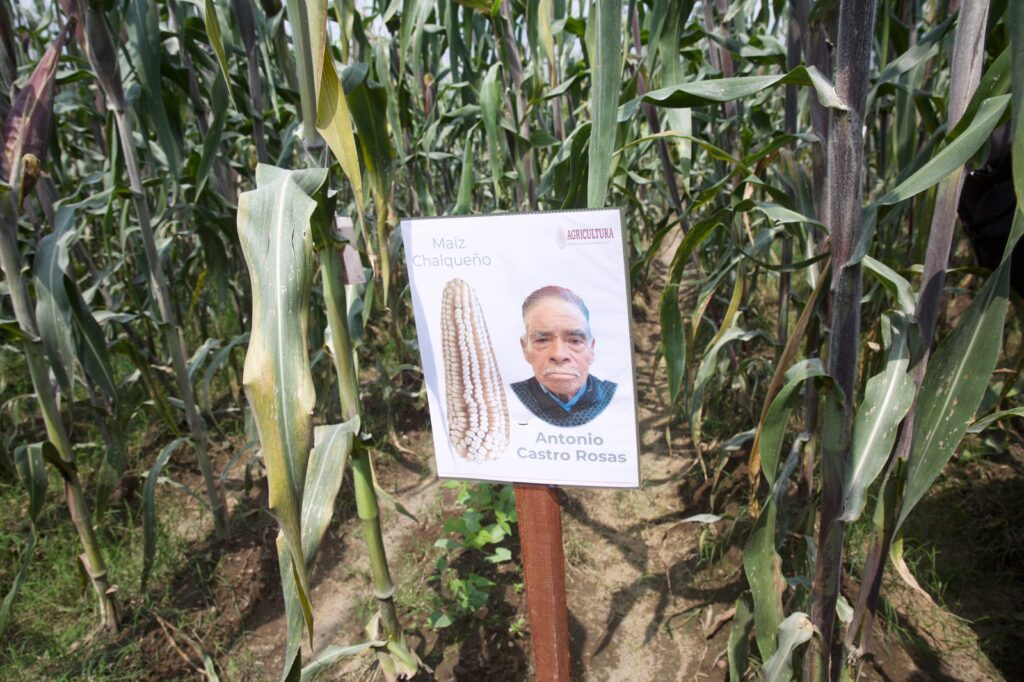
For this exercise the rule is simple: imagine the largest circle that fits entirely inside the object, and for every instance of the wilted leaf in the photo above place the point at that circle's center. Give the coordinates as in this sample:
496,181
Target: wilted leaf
27,127
274,230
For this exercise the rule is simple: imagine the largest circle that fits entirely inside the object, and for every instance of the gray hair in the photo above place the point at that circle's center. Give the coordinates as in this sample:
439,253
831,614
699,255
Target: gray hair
553,291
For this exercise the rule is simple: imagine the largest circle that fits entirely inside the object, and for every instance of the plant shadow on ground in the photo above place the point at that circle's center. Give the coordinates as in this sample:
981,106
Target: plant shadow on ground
965,545
207,600
220,588
640,575
677,579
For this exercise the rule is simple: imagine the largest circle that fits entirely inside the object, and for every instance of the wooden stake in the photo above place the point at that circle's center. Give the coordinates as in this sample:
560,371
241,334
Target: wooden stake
540,534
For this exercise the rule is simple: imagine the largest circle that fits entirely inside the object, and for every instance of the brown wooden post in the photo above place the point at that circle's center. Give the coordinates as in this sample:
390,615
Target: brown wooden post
540,534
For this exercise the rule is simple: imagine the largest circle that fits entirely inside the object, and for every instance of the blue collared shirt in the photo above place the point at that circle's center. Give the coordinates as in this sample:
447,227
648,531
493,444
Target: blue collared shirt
569,403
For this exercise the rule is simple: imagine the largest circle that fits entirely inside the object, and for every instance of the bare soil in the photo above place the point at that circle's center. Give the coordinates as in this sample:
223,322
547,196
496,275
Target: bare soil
650,594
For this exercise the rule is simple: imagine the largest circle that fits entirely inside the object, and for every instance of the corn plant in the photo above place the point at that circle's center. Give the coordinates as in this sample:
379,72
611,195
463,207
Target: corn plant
278,233
801,189
26,130
96,42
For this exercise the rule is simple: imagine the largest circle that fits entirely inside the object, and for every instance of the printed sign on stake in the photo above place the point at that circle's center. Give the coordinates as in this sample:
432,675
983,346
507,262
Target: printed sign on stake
523,323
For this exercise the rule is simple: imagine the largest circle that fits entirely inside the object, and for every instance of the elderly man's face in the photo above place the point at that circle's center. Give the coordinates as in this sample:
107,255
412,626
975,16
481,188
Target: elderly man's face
558,346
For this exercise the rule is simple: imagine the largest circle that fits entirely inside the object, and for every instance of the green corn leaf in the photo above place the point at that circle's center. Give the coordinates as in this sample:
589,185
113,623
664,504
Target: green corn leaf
294,608
66,326
334,653
144,43
1016,11
490,106
761,562
673,339
706,370
11,332
464,199
781,214
925,49
413,19
605,77
53,310
327,462
887,399
673,336
971,133
762,566
487,6
894,283
995,81
797,629
326,468
219,98
954,155
33,475
368,104
111,468
147,376
149,508
956,380
719,90
773,427
219,359
715,151
274,231
671,73
544,11
739,636
213,32
90,342
30,463
987,421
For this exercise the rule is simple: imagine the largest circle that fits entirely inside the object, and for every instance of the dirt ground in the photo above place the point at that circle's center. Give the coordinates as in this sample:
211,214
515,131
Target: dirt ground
650,594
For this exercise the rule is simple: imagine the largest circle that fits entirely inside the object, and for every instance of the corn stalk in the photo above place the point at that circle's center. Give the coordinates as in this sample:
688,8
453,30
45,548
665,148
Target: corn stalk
324,111
25,135
966,62
846,150
95,40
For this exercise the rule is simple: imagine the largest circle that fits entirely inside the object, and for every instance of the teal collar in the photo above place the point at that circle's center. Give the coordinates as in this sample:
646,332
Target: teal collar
572,401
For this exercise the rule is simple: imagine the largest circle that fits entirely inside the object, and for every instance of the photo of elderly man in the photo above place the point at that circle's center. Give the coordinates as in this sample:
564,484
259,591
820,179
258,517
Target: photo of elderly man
559,345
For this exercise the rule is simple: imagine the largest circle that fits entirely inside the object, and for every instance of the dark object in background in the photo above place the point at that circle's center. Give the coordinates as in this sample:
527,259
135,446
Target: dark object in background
987,204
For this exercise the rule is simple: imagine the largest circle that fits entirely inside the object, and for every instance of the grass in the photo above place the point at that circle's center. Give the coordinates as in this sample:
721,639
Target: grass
56,609
963,541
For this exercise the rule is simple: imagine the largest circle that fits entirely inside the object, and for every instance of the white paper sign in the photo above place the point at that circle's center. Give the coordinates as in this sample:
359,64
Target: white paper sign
523,323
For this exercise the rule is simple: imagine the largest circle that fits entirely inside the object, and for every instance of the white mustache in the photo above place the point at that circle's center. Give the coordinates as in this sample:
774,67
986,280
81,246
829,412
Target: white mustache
561,370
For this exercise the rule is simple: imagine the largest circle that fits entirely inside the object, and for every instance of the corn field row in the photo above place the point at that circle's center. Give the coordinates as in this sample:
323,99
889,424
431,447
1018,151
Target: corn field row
199,206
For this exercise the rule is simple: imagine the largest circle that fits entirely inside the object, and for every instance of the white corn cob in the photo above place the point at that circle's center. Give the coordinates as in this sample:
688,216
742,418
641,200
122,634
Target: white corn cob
478,423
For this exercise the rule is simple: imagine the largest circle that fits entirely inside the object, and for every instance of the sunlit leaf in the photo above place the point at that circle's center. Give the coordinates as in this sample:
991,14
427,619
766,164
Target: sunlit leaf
887,398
